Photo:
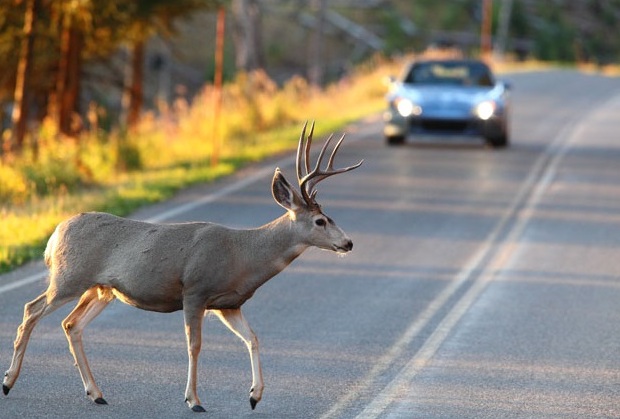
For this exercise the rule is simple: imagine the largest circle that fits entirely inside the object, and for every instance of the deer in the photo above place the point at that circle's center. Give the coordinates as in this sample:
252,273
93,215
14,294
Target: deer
196,267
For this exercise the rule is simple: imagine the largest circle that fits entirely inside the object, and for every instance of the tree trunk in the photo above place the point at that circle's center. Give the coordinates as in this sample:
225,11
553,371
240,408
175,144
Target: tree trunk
70,109
247,35
486,28
316,70
136,91
505,13
64,102
19,117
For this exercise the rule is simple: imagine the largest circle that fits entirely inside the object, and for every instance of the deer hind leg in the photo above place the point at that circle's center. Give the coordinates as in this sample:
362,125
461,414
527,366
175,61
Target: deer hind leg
90,305
33,312
235,321
193,332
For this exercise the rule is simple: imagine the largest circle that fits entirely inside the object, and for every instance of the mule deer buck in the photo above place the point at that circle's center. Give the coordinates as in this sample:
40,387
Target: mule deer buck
194,267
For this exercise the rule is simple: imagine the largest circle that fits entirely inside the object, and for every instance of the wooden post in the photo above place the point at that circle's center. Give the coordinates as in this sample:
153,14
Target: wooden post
485,31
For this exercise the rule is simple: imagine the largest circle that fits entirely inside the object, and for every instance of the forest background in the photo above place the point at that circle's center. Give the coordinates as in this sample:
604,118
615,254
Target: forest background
111,104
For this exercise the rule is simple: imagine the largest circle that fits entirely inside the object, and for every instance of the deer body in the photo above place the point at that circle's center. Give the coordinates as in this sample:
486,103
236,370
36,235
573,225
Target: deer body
167,261
194,267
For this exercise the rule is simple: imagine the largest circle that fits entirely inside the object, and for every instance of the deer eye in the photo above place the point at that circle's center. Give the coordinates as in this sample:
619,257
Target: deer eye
320,222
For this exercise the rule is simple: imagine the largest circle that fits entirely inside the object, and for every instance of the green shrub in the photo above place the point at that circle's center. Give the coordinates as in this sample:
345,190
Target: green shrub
170,148
14,187
128,157
53,175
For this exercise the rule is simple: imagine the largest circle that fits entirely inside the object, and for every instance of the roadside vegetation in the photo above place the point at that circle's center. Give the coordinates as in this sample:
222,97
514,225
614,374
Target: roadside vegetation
60,156
171,148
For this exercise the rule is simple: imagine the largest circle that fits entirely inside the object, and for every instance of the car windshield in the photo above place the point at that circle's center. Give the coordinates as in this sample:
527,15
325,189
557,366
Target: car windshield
455,73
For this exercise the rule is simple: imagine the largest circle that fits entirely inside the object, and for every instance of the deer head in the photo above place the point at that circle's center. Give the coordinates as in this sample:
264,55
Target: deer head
308,218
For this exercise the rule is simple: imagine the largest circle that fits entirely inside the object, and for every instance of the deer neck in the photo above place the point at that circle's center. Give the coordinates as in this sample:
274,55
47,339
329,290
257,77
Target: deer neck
279,243
274,246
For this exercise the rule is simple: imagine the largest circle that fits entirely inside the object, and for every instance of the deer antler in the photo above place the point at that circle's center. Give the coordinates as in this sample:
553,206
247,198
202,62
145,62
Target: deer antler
309,180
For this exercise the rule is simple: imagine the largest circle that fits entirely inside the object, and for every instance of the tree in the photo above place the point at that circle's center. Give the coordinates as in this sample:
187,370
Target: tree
247,35
315,54
19,117
63,105
50,61
147,18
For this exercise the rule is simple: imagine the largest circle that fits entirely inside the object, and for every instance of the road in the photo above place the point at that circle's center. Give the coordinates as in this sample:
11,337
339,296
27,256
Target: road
483,284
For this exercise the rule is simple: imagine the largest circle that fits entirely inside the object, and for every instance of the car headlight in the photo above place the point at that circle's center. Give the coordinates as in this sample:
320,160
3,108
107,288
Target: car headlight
485,110
405,107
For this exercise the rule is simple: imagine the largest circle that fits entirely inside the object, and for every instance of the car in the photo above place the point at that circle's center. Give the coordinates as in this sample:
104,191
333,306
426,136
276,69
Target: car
448,97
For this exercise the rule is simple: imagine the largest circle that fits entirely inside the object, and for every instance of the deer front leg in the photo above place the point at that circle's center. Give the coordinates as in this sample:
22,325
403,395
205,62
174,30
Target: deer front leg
234,320
193,332
89,307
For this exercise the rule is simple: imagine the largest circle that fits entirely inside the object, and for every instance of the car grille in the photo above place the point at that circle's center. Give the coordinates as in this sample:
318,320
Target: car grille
443,126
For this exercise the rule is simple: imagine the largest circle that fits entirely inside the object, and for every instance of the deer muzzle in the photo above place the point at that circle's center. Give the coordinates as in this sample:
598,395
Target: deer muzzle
345,247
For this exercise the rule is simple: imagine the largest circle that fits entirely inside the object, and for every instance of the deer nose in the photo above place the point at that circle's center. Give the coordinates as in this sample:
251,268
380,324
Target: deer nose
348,245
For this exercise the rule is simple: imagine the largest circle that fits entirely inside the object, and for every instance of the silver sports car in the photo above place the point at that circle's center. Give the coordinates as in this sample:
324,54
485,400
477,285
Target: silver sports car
448,97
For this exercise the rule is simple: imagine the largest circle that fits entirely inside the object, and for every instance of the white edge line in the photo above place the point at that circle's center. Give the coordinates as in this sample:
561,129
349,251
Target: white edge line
399,383
22,282
219,194
438,302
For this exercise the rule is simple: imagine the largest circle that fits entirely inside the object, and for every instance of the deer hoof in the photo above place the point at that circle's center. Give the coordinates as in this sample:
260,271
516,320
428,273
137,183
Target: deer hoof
198,408
100,400
253,402
5,389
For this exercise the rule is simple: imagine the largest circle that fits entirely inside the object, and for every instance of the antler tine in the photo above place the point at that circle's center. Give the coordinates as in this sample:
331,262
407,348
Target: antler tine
305,185
301,152
310,180
319,160
319,175
344,169
308,145
330,162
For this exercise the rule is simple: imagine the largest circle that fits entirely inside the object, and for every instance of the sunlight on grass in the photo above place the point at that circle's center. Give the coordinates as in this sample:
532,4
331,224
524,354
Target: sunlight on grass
172,148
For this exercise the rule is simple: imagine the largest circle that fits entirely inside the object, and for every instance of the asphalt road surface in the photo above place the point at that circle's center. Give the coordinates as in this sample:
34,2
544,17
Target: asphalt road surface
483,284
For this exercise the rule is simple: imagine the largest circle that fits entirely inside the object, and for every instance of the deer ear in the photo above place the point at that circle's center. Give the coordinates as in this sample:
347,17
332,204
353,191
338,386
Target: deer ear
284,194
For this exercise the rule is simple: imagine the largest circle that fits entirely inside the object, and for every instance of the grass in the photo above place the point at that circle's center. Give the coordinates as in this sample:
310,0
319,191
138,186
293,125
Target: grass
172,148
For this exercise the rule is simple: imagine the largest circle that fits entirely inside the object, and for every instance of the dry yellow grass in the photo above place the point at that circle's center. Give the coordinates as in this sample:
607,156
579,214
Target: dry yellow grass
173,148
170,149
